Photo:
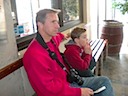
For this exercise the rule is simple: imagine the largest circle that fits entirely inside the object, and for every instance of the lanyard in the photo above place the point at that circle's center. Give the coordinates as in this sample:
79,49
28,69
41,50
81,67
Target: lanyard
51,53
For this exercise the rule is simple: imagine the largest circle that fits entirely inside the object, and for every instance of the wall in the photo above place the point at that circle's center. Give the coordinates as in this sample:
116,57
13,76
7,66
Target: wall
87,17
8,43
15,84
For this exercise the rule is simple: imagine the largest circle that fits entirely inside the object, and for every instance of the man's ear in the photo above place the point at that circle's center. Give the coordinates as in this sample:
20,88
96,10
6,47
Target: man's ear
39,24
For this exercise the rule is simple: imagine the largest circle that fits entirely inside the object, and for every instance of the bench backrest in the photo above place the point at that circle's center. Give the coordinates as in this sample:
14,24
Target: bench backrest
97,47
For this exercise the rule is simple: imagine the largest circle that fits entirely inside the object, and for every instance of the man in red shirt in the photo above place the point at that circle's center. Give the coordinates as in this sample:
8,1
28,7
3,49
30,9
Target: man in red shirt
44,73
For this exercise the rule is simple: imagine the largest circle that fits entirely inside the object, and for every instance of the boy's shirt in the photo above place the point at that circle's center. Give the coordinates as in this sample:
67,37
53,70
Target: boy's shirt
76,56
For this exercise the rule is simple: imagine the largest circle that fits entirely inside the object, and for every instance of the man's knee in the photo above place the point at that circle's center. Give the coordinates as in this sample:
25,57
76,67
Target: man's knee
105,79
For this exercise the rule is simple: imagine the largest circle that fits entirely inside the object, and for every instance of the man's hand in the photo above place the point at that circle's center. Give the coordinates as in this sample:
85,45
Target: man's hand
86,92
66,36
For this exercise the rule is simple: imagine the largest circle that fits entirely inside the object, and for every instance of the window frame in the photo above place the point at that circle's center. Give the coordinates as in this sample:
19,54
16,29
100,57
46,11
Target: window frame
23,42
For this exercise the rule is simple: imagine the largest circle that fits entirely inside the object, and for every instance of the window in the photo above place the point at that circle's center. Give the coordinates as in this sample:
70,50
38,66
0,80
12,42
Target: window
70,10
70,16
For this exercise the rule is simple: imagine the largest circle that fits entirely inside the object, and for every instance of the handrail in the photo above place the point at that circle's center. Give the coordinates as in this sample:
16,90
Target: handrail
10,68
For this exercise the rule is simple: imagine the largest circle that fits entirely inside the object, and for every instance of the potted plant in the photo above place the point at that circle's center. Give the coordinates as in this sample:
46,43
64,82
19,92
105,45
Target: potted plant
122,6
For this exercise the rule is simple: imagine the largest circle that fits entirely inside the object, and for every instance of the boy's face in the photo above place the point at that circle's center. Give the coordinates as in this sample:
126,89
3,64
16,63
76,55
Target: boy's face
83,39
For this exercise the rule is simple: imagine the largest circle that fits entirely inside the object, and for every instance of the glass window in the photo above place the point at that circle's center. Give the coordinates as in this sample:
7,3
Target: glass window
44,4
25,14
70,10
36,5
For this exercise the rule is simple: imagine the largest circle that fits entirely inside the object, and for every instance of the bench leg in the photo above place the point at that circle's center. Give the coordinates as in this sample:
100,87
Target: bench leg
97,68
100,67
105,51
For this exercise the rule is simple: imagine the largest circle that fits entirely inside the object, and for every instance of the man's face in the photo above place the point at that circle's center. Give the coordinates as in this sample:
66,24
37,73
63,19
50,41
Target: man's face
51,25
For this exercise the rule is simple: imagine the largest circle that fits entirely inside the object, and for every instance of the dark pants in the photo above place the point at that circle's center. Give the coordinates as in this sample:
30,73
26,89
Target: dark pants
88,72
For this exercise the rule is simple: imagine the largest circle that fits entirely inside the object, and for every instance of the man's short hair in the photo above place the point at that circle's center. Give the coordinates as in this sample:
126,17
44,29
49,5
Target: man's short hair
76,32
41,15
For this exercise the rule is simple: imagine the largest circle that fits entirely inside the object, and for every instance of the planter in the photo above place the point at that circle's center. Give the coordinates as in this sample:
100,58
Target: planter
113,31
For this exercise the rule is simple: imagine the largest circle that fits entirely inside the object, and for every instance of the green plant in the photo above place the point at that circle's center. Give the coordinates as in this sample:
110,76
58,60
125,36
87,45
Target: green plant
122,6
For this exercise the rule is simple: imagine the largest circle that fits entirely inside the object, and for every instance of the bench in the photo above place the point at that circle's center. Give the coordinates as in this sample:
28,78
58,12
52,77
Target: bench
99,52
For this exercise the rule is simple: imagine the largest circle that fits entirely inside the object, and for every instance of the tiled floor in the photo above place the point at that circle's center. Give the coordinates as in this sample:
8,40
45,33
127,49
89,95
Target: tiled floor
116,68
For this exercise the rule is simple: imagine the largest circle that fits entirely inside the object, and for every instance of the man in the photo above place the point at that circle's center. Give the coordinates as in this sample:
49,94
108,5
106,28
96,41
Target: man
45,74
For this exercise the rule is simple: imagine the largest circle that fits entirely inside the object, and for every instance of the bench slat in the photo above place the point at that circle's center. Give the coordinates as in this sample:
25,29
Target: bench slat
94,44
97,55
97,47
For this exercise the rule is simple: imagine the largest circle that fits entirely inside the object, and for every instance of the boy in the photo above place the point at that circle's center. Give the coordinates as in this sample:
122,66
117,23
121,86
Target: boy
79,54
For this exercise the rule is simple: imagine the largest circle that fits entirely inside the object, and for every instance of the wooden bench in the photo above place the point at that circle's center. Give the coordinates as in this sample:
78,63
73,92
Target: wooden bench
99,52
